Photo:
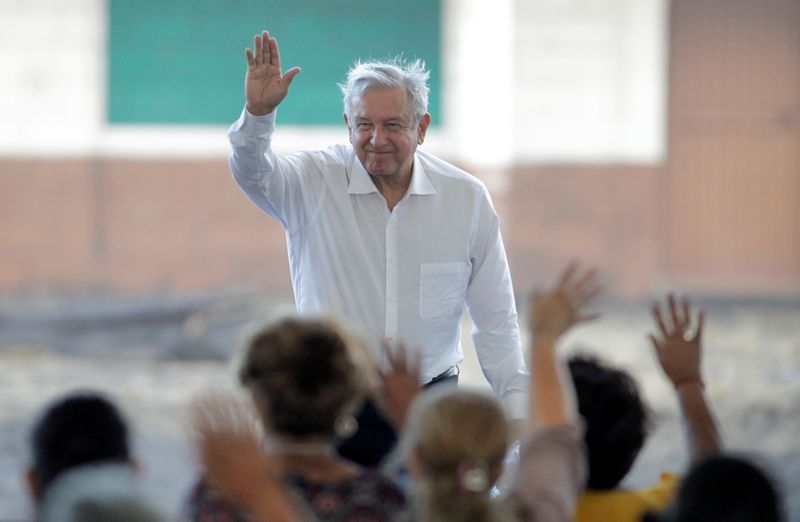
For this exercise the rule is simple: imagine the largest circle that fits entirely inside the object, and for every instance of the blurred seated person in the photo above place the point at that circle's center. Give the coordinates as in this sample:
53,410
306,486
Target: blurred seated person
306,379
616,418
97,493
456,439
77,438
724,488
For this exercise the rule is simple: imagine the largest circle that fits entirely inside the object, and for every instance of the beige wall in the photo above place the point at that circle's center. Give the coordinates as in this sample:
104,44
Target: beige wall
149,226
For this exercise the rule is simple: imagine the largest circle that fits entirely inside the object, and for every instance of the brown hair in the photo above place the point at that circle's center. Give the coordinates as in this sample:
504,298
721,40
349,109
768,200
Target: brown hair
308,372
456,435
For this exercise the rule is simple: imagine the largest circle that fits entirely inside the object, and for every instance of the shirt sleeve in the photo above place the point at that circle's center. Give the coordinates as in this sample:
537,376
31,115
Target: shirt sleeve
551,474
278,185
490,301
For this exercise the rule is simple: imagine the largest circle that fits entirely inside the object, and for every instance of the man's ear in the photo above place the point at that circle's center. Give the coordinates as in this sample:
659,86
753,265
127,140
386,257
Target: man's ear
424,122
349,130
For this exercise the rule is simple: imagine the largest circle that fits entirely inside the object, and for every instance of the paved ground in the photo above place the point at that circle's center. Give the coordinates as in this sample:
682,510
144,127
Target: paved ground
154,355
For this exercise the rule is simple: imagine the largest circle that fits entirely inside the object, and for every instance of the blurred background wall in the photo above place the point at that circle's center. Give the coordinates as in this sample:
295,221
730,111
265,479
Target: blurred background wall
658,140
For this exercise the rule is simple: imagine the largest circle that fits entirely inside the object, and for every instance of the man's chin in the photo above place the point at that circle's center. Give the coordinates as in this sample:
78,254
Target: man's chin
380,170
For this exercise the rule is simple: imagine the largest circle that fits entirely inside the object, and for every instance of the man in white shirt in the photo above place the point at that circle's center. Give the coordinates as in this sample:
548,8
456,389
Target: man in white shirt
390,239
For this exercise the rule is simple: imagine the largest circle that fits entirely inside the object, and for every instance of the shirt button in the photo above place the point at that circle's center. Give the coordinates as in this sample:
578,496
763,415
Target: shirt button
392,299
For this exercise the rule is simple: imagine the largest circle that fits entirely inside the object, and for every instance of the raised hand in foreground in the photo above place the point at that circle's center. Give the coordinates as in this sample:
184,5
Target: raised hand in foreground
552,313
229,441
399,383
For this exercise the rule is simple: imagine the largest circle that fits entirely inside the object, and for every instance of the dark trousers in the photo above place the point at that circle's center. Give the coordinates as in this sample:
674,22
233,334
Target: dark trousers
376,437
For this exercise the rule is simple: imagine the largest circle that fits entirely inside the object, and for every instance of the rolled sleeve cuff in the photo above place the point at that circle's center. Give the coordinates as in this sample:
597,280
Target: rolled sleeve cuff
253,125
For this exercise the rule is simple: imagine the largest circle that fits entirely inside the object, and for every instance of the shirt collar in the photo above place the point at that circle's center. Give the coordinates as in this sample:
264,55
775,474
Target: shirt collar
361,183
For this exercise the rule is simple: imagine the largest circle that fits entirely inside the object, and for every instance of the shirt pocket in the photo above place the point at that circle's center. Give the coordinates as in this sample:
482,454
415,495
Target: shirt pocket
442,289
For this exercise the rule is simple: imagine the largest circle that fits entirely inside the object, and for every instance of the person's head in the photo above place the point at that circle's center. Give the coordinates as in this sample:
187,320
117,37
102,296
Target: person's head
724,488
616,420
456,441
386,113
306,373
81,428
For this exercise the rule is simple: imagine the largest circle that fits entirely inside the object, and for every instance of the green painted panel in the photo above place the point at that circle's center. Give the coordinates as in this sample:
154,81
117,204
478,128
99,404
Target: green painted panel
182,61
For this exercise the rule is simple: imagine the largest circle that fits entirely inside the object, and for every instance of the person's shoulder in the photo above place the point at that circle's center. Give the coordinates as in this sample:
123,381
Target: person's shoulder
333,155
435,167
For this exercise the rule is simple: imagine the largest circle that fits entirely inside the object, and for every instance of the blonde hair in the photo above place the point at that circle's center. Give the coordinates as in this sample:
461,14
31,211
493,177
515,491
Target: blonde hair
460,439
308,372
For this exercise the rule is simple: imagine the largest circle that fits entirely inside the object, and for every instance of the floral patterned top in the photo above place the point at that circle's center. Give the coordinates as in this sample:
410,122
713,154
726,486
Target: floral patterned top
369,497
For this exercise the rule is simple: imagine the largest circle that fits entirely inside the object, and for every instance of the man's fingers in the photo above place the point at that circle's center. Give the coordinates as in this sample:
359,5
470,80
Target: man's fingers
274,53
251,61
265,49
256,48
290,74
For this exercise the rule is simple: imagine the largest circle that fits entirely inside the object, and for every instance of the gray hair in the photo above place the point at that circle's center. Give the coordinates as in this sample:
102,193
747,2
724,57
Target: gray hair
411,76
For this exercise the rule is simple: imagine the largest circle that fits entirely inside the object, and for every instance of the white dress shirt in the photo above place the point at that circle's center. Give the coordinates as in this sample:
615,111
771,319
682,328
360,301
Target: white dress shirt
403,274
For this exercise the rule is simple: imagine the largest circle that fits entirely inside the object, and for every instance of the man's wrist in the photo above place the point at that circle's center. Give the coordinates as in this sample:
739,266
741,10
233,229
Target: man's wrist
255,112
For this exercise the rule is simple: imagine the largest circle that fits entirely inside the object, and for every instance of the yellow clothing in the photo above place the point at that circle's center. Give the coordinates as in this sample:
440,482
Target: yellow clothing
620,505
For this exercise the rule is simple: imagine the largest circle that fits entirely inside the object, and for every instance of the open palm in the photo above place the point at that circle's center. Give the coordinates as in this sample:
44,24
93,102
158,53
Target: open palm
265,85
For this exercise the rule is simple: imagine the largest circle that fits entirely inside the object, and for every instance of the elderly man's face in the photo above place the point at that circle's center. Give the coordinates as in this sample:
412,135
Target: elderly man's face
384,132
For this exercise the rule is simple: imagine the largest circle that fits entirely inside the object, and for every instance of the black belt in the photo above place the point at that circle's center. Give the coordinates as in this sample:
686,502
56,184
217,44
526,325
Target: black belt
450,372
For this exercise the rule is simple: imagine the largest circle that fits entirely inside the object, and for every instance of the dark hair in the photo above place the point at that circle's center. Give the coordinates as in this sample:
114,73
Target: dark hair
616,420
81,428
724,488
305,371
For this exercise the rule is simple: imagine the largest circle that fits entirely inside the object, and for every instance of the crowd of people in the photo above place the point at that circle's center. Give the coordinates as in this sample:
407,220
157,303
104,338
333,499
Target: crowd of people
270,454
389,242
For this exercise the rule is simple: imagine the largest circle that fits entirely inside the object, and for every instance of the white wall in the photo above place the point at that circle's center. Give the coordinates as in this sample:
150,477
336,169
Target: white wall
524,81
590,80
51,86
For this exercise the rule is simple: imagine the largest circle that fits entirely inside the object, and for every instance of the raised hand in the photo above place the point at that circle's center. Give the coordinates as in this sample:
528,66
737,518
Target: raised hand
265,86
229,443
679,351
557,310
399,384
552,313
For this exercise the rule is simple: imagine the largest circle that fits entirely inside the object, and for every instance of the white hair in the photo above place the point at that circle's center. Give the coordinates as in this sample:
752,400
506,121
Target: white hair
411,76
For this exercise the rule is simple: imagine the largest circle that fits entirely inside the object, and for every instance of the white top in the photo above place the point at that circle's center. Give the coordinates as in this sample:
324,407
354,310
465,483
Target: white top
403,274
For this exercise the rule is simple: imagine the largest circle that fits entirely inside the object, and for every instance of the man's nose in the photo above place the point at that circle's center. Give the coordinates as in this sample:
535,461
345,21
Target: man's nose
378,135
